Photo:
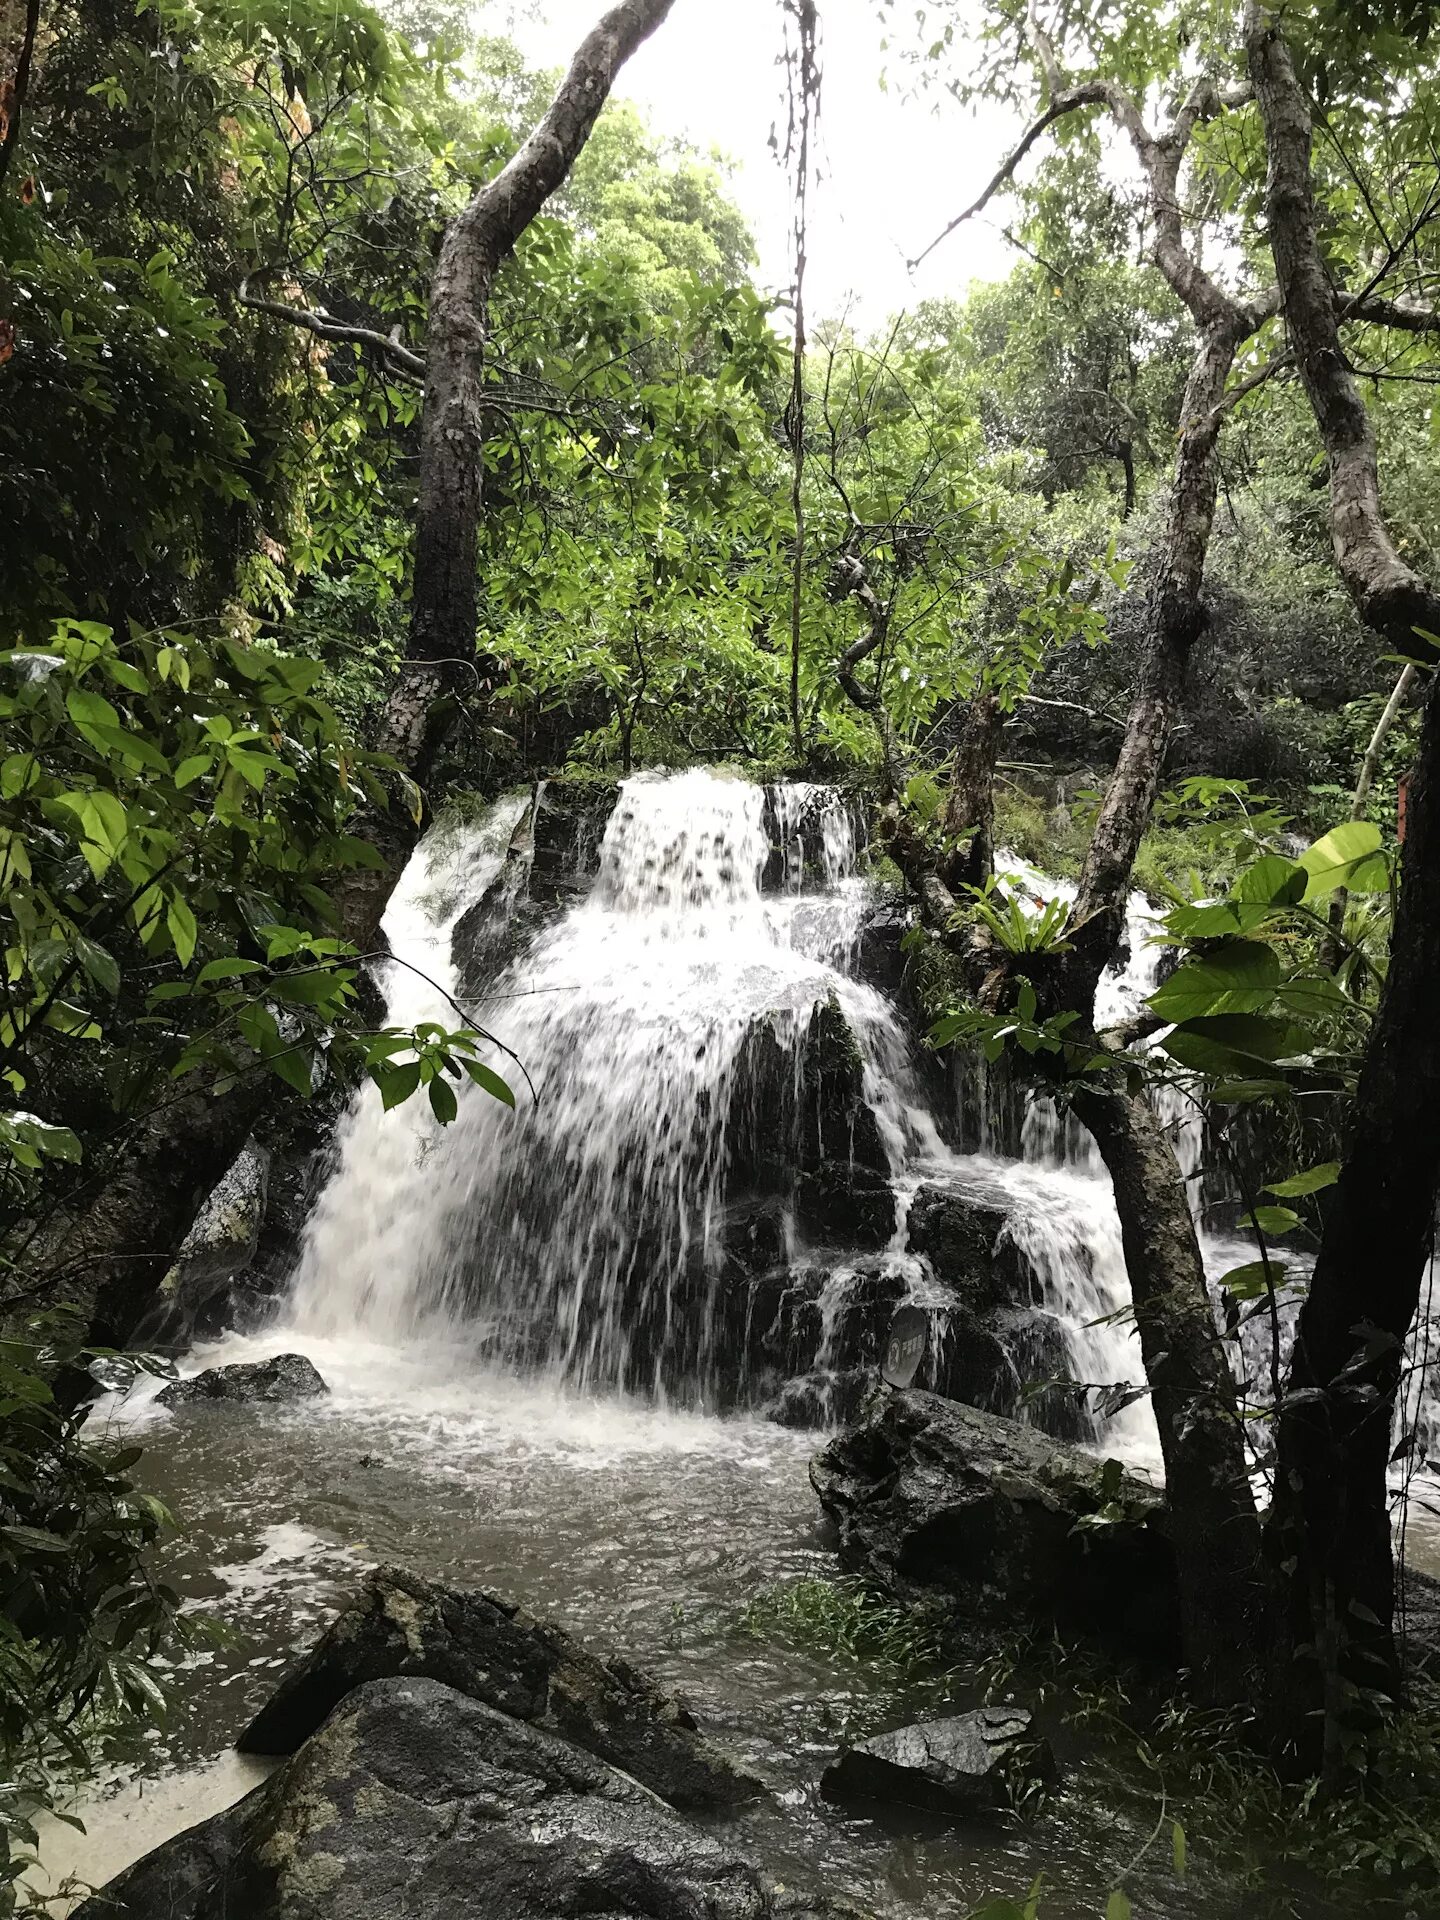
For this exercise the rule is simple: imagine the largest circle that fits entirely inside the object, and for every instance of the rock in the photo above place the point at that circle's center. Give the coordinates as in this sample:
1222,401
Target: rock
218,1248
822,1399
288,1376
929,1493
402,1625
962,1232
846,1207
965,1765
570,819
415,1800
797,1102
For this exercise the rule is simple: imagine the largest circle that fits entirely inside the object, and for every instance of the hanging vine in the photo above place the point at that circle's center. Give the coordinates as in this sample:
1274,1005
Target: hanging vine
802,32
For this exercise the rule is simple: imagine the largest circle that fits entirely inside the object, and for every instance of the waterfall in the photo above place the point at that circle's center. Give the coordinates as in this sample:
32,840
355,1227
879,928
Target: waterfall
581,1237
575,1236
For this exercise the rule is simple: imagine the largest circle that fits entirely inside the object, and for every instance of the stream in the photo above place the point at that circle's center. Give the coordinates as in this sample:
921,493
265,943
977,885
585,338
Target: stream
528,1395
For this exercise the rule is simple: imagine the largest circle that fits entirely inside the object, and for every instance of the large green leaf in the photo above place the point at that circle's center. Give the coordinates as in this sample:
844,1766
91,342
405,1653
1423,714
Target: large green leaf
1332,860
1232,1044
1239,977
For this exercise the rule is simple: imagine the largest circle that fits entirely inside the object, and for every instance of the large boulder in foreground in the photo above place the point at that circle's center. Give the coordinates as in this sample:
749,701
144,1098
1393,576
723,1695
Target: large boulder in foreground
415,1801
931,1494
287,1377
400,1625
970,1763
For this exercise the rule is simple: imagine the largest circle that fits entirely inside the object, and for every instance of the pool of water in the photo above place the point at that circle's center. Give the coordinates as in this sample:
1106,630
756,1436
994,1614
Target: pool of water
644,1531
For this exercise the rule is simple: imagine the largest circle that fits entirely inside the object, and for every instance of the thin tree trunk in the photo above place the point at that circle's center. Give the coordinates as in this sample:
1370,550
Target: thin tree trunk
1331,1506
1214,1526
440,660
970,803
1359,804
1175,619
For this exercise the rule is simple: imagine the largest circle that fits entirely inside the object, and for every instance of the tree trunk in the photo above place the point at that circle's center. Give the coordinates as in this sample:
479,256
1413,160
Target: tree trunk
1214,1526
440,661
1174,620
970,803
142,1213
1331,1507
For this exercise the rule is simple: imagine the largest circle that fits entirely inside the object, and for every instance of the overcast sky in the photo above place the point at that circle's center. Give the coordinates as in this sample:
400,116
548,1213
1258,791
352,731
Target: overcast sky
892,169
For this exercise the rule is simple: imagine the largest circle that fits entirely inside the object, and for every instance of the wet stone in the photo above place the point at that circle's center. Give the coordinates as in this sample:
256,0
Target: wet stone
971,1763
286,1377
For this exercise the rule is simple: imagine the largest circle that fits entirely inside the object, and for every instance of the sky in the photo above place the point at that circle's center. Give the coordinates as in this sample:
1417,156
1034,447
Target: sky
892,168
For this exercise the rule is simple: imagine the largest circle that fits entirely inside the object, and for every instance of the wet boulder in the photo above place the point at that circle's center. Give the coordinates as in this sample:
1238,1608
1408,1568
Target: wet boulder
216,1251
400,1625
928,1493
286,1378
414,1799
568,830
843,1206
971,1763
797,1106
963,1232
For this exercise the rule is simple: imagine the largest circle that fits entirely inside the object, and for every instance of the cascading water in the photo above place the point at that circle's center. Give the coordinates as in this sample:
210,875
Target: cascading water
575,1236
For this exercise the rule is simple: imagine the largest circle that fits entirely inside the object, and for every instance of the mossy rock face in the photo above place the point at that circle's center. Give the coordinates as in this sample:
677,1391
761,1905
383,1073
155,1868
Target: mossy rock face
415,1800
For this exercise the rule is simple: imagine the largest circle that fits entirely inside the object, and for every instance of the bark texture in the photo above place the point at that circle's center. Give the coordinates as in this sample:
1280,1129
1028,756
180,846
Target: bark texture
1331,1510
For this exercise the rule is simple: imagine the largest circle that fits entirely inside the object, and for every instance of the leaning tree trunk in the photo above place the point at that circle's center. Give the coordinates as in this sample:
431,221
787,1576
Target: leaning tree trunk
440,659
1174,621
137,1219
1331,1508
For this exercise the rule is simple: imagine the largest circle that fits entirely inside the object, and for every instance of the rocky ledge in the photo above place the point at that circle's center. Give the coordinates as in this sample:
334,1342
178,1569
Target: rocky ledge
928,1494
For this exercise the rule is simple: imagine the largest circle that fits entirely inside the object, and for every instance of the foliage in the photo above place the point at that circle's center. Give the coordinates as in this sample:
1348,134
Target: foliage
83,1613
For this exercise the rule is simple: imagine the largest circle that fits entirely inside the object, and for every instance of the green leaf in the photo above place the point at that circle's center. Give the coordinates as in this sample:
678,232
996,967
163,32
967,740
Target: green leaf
443,1103
1231,1044
487,1078
102,967
396,1084
191,768
1330,860
229,968
1239,977
1248,1282
1272,1220
1177,1848
36,1540
1325,1175
183,930
1118,1907
1273,881
89,710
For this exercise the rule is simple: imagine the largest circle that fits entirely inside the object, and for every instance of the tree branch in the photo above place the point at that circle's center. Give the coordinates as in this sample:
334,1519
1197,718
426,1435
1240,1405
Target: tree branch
324,328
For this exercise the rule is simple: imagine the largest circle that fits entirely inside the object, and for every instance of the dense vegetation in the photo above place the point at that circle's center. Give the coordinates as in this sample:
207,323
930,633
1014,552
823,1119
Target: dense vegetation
338,483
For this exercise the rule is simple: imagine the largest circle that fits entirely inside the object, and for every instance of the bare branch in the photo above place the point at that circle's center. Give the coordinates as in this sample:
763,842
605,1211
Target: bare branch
1068,101
324,328
1402,314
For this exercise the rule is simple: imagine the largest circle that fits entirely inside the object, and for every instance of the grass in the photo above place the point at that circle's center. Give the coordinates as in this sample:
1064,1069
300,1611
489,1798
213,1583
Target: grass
843,1619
